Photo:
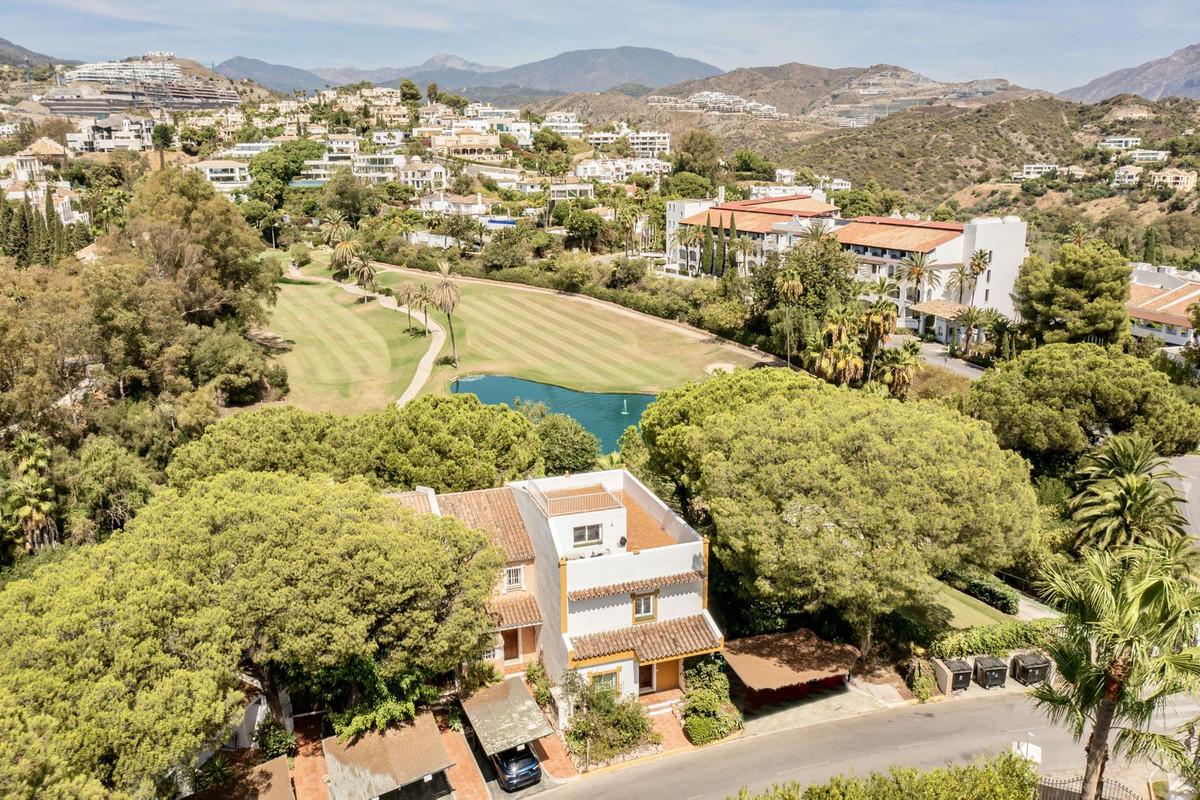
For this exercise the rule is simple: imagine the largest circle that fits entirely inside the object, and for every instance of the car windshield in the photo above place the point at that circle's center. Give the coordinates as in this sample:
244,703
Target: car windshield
516,760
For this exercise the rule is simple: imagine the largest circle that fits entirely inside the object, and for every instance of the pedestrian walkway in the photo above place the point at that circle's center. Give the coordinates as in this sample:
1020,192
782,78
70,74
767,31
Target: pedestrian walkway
465,777
672,734
310,775
552,754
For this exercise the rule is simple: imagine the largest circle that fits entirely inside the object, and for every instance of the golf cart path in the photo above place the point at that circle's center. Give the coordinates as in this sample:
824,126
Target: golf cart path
425,365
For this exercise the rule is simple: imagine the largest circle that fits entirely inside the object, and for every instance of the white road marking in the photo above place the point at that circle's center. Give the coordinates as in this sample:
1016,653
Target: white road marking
804,767
916,744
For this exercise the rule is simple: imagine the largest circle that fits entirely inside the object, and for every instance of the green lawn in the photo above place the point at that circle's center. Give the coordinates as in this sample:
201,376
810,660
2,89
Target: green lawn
951,608
348,356
567,341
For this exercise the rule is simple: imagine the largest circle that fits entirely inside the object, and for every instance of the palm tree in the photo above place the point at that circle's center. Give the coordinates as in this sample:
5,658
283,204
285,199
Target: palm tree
980,260
407,295
1124,496
446,297
841,324
425,300
1078,234
841,362
790,289
878,323
900,365
959,279
919,270
743,248
362,271
335,228
969,318
31,507
689,237
1123,650
881,287
345,253
817,233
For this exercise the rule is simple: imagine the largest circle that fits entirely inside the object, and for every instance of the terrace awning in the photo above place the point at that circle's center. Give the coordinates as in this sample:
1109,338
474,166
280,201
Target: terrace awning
505,715
779,660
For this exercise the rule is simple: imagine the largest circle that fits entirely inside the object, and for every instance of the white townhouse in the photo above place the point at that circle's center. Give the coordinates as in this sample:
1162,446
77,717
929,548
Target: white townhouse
227,175
247,150
644,144
619,170
1031,171
389,138
1127,175
564,123
424,176
377,167
881,244
600,577
1148,156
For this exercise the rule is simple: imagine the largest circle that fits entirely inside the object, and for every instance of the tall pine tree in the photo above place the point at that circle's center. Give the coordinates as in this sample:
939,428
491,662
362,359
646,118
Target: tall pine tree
19,235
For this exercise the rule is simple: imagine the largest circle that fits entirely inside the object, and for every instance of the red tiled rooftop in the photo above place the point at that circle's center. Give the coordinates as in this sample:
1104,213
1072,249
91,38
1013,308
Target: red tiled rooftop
495,512
651,641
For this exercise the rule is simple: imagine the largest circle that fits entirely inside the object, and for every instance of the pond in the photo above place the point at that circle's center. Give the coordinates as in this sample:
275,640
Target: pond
605,415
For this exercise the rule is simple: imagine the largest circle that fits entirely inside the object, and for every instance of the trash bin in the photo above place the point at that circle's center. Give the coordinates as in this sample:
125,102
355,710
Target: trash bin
1030,668
952,675
990,671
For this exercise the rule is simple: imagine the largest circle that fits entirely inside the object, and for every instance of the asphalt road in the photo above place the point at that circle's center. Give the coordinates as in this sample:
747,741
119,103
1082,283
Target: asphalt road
916,736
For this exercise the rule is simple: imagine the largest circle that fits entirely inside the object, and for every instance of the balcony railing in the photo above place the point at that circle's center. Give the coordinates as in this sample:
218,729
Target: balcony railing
559,503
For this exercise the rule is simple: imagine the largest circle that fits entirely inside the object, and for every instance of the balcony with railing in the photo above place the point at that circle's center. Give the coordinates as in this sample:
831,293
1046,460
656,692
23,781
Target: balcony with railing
574,499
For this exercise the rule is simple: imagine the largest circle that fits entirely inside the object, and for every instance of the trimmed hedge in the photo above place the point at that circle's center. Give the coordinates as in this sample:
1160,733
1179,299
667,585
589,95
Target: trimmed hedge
987,589
708,713
993,640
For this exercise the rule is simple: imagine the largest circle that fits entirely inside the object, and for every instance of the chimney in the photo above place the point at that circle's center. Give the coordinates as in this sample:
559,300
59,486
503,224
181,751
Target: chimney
720,195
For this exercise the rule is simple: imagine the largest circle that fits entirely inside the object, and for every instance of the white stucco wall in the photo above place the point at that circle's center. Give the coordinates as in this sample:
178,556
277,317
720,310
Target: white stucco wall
1005,238
627,675
616,611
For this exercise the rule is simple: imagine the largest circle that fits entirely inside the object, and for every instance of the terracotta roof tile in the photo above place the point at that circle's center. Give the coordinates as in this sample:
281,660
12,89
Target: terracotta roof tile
943,309
898,234
415,501
651,641
629,587
495,512
515,610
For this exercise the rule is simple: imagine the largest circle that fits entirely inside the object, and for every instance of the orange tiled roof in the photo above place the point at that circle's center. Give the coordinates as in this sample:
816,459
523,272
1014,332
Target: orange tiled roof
415,501
651,641
494,511
942,309
914,236
1166,306
515,610
630,587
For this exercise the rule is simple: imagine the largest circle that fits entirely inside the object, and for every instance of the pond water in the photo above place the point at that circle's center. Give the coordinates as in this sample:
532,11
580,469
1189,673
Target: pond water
605,415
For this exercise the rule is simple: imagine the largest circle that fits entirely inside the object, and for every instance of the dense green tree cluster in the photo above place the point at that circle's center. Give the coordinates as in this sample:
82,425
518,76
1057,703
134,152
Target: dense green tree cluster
845,500
37,236
1078,297
1054,403
124,657
449,443
274,169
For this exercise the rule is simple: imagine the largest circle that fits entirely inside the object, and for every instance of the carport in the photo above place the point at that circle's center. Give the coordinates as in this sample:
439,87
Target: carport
780,667
410,757
504,716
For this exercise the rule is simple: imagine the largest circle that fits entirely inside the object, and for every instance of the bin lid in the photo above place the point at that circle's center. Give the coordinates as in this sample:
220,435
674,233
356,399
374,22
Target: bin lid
955,665
989,662
1032,660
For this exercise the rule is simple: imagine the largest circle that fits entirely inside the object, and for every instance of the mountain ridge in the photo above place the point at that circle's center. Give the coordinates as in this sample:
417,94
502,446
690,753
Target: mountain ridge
276,77
1176,75
13,55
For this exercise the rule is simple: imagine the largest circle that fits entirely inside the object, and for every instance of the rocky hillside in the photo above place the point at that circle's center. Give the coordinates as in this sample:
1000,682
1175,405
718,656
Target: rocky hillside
276,77
931,153
792,88
13,55
1177,75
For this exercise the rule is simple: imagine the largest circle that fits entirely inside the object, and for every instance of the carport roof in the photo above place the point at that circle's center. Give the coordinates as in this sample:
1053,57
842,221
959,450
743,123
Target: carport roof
505,715
377,763
776,660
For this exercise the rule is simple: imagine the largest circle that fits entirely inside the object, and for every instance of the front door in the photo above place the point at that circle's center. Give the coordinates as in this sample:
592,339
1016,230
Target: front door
512,644
645,678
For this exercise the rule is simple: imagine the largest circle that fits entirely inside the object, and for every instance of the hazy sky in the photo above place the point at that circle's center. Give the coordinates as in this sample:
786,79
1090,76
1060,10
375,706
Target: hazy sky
1049,44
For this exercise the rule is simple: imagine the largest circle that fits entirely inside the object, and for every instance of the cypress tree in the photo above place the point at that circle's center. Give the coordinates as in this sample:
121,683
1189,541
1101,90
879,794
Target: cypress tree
19,234
1151,252
733,237
706,253
722,252
5,218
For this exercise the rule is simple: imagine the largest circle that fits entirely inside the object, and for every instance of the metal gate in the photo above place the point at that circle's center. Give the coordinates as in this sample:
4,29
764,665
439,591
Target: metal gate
1071,788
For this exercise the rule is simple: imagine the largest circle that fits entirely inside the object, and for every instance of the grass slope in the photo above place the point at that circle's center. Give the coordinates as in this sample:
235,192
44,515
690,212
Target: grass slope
567,341
348,356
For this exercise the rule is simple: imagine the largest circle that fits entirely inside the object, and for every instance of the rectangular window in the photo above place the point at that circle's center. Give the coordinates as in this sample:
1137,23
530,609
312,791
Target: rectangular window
643,607
989,276
986,292
606,680
514,578
585,535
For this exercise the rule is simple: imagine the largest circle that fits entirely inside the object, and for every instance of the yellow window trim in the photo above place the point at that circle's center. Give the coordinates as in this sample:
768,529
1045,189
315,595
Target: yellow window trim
653,615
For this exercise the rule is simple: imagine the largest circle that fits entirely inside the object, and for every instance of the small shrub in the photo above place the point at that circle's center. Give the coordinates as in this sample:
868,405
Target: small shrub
212,773
603,726
921,679
479,674
300,254
535,676
273,739
708,713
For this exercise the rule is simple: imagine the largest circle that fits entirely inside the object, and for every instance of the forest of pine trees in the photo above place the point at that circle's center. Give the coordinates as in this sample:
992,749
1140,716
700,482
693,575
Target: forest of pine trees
30,236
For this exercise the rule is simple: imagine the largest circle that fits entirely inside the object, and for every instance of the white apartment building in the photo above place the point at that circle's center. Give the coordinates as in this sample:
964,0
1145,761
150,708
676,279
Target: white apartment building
488,112
1179,180
785,176
389,138
1127,175
564,123
341,146
424,176
828,184
247,150
109,133
1148,156
881,244
471,205
377,167
9,129
1032,171
125,72
619,170
1120,142
775,191
1159,299
643,144
227,175
519,130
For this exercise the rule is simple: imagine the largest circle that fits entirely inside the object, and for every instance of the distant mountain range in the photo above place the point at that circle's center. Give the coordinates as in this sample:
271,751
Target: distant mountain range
1177,75
14,55
574,71
443,61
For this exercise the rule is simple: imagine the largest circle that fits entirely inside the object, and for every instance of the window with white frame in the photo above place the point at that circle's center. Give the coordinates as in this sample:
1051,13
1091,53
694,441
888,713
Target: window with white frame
643,607
605,680
514,578
585,535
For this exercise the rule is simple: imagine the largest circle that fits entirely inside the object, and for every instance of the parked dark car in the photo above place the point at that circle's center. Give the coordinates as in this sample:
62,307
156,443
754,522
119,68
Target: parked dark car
516,768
